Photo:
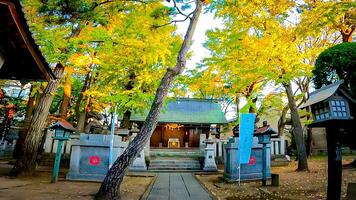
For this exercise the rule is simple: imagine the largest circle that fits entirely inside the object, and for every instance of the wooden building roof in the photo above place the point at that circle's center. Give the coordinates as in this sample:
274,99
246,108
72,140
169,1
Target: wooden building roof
20,57
189,111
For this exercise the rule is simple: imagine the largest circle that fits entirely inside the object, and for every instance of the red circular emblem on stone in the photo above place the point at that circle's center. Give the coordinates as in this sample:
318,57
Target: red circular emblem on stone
94,160
252,160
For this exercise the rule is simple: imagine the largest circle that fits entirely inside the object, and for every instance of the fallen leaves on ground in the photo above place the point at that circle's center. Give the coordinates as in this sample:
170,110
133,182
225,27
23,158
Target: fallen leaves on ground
293,185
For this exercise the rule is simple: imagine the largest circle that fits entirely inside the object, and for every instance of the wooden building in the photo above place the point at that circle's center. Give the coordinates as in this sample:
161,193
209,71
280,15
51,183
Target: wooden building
185,123
20,57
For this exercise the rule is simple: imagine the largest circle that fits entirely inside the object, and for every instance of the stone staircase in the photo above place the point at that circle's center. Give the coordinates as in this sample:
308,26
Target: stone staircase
174,164
183,159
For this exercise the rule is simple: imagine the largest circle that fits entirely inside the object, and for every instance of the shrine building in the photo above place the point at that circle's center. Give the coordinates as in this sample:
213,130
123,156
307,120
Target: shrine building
185,123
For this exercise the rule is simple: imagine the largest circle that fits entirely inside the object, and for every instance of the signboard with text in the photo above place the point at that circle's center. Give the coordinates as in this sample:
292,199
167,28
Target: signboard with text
247,125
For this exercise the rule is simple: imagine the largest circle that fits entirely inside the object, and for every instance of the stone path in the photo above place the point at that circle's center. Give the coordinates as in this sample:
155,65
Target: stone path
177,186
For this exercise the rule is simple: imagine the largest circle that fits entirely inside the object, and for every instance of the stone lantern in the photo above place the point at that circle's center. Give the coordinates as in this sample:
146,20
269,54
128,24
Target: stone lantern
209,161
332,107
62,131
264,137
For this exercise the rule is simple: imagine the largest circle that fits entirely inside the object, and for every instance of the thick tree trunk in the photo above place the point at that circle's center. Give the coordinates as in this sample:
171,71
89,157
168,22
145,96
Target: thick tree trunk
110,188
30,104
63,110
297,128
22,134
26,163
81,115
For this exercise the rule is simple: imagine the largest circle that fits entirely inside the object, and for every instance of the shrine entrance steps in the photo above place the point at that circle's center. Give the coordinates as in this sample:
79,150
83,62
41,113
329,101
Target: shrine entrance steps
181,152
175,160
174,164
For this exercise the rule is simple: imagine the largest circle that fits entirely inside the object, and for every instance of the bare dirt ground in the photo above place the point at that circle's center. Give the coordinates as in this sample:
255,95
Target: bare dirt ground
293,185
40,188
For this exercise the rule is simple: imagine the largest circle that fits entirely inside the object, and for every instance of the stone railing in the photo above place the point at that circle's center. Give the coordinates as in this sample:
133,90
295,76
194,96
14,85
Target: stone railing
7,147
8,142
278,146
50,145
219,148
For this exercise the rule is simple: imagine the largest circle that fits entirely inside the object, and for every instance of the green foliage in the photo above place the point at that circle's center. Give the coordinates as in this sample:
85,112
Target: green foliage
337,62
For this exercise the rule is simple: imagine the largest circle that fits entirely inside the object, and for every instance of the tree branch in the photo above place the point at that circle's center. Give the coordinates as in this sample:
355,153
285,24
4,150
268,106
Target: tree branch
174,21
180,12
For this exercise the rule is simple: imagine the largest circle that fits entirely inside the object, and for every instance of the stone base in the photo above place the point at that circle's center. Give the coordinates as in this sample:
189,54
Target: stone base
279,160
244,177
210,169
85,177
209,162
137,168
139,164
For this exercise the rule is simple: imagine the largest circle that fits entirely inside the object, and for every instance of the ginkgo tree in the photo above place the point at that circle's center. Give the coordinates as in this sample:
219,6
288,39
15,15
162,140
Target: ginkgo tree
99,36
260,43
133,56
77,35
110,186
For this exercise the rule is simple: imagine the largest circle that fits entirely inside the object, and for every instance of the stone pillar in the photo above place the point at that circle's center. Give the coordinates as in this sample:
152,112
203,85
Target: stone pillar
283,146
202,138
147,148
209,161
276,147
272,147
74,160
48,142
13,144
139,164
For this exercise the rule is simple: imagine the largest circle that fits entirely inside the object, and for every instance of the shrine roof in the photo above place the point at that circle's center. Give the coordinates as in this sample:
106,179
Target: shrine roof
265,130
20,57
62,123
189,111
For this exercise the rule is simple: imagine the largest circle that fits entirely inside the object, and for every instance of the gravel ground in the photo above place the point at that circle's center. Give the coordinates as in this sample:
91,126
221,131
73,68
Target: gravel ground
293,185
40,188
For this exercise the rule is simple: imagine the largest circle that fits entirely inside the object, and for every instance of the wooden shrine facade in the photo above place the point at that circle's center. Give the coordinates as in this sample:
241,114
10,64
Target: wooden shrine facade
184,136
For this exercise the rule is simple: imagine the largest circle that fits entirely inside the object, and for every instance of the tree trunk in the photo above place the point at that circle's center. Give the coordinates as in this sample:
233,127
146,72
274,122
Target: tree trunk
126,120
63,110
26,163
347,34
297,128
309,137
127,115
110,188
82,121
81,115
30,105
22,134
282,121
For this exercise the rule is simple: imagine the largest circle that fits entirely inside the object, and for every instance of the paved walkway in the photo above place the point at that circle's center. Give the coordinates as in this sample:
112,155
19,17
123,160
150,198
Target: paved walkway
177,186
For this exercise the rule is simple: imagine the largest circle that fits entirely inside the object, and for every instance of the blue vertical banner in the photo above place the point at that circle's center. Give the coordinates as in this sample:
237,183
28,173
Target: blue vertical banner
247,126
